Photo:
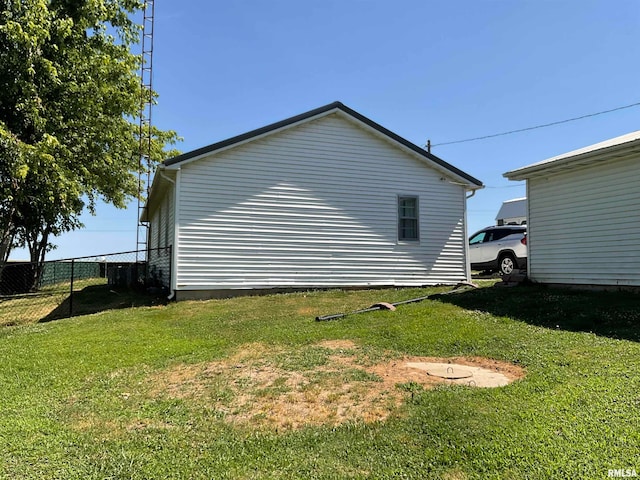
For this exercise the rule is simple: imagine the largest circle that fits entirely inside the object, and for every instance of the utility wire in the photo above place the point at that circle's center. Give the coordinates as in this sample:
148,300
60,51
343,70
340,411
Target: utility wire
536,127
520,184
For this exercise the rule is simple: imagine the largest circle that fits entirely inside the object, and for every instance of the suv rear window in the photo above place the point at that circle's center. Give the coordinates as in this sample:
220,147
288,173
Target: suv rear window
501,233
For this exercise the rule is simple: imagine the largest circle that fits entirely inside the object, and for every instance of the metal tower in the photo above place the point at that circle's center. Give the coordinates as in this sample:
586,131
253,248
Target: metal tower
146,103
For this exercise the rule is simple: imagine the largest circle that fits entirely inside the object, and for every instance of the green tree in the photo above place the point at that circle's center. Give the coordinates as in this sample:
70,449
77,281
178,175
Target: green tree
12,171
69,96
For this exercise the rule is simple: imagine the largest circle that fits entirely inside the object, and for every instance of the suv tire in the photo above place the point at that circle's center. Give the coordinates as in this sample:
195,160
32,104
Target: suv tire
507,264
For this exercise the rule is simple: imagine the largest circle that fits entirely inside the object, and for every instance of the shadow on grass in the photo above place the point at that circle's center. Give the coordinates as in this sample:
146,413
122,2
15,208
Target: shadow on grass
98,298
610,314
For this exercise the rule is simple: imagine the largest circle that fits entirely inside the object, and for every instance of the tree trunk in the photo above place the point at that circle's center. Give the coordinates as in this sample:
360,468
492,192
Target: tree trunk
7,232
37,250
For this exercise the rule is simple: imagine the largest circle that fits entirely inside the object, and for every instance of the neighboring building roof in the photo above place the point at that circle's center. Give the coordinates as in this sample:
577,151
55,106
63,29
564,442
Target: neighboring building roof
514,208
617,147
473,183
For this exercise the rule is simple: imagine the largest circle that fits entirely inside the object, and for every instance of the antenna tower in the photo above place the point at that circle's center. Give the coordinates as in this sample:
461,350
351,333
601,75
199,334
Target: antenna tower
146,103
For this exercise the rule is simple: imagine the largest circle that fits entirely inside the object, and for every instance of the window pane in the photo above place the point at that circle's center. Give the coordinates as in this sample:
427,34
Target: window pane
408,229
408,218
500,234
408,208
479,238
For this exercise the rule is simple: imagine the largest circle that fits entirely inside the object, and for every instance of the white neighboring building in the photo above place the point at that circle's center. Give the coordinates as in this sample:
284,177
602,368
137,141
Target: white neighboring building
512,212
324,199
584,215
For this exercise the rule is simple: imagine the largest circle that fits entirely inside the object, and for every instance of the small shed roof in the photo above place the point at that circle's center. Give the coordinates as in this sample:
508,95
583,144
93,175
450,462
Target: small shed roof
618,147
335,107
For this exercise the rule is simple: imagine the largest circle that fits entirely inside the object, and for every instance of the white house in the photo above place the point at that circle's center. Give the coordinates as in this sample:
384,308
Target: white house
584,215
324,199
512,212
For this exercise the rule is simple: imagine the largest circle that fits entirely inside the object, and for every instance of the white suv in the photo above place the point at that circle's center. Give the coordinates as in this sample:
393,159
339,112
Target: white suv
502,248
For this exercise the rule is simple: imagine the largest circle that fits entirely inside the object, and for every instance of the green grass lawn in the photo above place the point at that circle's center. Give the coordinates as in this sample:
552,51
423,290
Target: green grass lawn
150,392
53,302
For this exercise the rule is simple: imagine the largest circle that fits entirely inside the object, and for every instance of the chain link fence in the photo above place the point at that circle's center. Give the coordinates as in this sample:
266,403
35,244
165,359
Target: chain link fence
77,286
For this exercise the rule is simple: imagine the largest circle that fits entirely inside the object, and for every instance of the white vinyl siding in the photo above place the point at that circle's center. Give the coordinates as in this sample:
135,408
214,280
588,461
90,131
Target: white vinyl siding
161,231
162,223
315,206
154,226
584,225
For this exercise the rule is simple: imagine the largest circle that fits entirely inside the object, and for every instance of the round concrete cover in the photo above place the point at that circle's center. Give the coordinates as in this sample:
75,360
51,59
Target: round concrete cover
445,370
462,374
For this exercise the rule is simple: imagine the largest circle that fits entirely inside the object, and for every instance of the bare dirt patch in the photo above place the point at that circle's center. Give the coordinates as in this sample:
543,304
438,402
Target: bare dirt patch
329,383
338,344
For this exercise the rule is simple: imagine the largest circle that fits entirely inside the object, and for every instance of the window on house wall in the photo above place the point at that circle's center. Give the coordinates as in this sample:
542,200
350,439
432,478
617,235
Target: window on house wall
408,229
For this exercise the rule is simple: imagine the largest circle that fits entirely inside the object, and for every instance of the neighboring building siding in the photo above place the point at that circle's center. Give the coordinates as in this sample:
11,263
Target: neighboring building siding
584,225
315,206
512,212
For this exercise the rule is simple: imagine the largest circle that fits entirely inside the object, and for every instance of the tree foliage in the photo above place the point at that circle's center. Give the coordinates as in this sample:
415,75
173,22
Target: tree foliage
70,94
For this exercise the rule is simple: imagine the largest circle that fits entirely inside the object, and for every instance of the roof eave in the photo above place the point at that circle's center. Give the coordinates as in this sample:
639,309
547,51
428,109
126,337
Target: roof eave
252,135
470,182
574,161
153,192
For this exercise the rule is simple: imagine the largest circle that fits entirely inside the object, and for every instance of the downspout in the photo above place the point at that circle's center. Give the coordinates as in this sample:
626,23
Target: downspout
466,233
473,192
172,292
168,179
466,236
467,261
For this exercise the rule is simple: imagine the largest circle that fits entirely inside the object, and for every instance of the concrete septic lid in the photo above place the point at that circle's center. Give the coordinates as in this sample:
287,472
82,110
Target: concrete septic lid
462,374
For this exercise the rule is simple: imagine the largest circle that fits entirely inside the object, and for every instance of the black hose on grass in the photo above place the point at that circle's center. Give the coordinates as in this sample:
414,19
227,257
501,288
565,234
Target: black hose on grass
391,306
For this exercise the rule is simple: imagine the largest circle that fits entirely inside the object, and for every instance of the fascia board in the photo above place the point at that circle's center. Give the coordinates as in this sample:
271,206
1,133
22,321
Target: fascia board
450,174
154,191
234,142
568,163
336,107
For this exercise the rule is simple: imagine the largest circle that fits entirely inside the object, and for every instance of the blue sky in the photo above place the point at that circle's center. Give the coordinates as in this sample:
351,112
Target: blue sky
443,71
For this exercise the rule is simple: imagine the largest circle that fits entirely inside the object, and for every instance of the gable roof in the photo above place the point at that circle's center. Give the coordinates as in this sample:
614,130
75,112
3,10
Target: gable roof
622,146
472,183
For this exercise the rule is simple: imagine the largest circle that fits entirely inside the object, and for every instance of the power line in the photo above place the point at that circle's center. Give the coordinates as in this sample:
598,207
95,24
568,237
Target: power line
536,127
520,184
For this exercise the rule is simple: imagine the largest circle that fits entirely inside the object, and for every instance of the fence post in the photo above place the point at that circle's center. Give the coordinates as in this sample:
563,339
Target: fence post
71,289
